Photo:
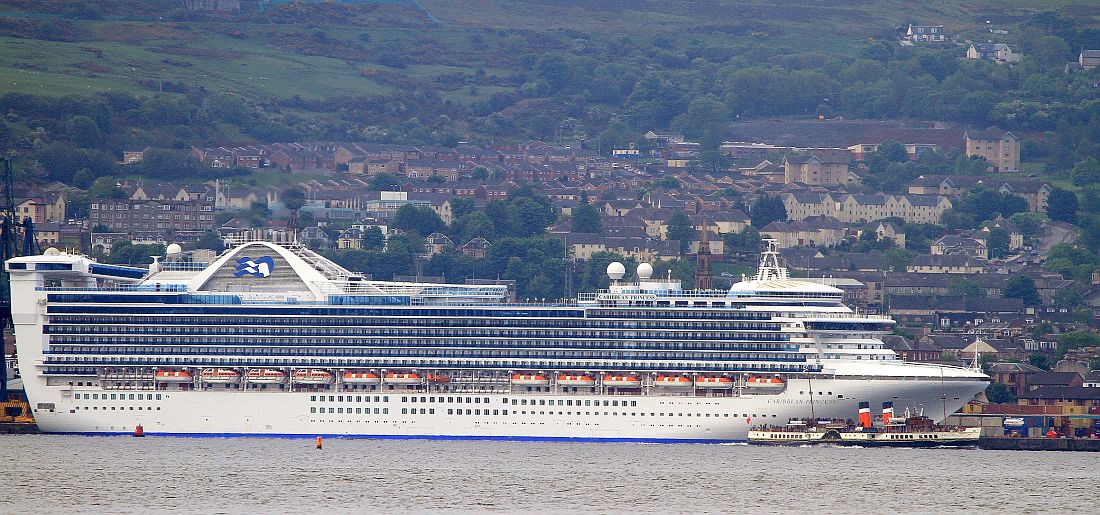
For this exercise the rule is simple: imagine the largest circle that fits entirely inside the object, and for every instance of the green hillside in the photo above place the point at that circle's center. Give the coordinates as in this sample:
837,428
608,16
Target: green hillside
84,80
50,48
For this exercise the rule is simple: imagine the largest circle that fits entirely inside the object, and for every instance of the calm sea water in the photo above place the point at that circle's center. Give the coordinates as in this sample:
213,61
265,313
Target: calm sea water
61,474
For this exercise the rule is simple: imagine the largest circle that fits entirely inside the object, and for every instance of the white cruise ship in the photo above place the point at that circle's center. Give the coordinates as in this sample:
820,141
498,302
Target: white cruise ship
277,340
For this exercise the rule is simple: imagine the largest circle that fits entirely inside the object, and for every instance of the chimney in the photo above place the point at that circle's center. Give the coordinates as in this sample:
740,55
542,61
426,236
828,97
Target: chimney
865,414
887,412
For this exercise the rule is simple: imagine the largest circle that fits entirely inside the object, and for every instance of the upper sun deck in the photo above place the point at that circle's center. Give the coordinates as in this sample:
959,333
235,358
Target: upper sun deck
270,273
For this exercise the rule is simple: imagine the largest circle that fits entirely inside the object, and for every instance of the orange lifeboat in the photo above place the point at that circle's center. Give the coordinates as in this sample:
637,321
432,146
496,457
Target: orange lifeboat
566,380
361,378
766,383
173,376
403,378
622,381
219,375
312,376
265,376
672,381
713,382
438,378
530,380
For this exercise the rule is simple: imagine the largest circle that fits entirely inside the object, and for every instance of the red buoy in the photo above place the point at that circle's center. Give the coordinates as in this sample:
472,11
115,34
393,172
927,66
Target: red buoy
318,442
139,431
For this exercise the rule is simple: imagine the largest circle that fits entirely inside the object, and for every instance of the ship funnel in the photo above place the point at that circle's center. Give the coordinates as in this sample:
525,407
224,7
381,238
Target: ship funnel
887,412
865,414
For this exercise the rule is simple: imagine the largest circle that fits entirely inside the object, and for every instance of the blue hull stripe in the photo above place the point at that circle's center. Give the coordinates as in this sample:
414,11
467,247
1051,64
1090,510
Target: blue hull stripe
406,437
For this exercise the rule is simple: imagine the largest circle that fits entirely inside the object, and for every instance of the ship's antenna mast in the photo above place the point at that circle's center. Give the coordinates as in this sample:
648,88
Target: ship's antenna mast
769,268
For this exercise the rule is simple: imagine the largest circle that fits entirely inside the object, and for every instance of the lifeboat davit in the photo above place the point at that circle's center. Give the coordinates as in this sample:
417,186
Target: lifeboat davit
673,381
265,376
361,378
438,378
565,380
766,383
713,382
219,375
622,381
403,378
173,376
312,376
530,380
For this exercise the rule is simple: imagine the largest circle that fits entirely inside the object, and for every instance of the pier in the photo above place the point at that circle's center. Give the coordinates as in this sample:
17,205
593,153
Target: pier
996,443
18,428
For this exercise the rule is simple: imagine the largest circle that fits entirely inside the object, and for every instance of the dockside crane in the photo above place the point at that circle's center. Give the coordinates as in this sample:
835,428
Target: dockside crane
11,230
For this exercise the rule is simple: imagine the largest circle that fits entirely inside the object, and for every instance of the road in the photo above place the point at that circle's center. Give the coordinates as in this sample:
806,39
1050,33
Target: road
1056,232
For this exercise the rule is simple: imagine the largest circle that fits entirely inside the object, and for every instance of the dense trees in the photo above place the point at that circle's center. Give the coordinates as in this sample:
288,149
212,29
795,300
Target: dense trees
998,393
745,243
1062,206
420,220
525,213
373,239
767,209
1021,287
681,229
126,253
1072,262
983,203
997,242
586,218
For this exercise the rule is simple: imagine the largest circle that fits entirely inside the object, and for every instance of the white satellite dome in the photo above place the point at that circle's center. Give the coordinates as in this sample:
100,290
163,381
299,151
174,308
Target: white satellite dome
616,270
645,271
52,251
173,249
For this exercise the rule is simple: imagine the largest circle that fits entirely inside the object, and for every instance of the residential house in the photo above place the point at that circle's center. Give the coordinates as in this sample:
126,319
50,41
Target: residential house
952,311
437,242
1015,236
920,350
860,151
767,170
159,216
476,248
1034,192
1000,148
953,244
133,156
663,139
350,239
816,169
905,283
1013,375
925,34
314,238
1092,380
945,264
889,231
851,208
1065,396
1088,59
819,231
102,242
42,206
48,234
999,52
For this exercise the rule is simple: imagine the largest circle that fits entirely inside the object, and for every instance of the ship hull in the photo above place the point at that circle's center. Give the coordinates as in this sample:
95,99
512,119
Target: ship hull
656,418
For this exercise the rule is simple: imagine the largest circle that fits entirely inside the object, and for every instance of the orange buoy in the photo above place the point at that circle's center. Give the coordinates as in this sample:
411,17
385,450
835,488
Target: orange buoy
139,431
318,442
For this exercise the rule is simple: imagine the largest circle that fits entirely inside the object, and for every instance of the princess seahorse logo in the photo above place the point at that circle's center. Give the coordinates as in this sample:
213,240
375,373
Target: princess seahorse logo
259,267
